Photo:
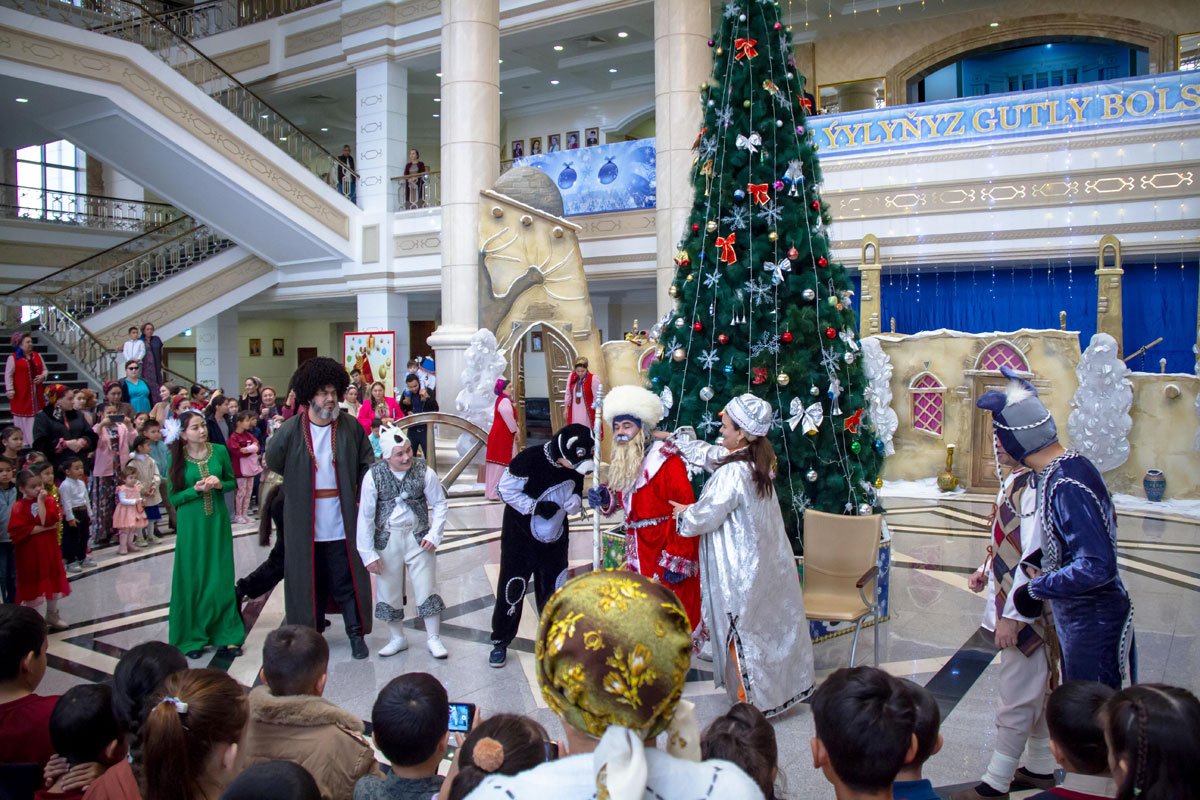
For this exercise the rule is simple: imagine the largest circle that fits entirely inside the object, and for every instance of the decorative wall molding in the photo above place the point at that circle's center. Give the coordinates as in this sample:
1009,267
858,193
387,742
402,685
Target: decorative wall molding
390,14
419,244
311,39
615,225
234,61
76,59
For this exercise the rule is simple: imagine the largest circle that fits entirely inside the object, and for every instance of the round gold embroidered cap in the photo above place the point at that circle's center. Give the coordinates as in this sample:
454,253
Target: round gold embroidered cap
613,648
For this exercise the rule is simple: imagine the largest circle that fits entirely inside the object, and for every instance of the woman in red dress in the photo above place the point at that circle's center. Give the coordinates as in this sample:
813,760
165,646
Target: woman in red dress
502,438
24,377
33,526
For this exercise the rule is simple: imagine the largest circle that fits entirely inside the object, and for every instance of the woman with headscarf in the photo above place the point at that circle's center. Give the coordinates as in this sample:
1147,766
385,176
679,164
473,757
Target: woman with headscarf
113,440
753,605
502,438
612,652
24,376
59,430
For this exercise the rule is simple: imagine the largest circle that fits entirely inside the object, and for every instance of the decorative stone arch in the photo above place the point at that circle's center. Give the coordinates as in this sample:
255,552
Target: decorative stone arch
928,403
1159,43
1001,352
559,351
632,119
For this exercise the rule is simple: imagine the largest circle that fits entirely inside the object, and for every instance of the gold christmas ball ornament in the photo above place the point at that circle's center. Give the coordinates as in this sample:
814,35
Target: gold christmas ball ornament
879,483
711,226
720,51
783,379
383,372
679,354
773,236
691,277
673,291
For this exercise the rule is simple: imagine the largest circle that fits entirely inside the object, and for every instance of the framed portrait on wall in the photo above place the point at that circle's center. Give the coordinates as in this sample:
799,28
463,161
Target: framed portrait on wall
554,143
572,140
535,342
591,137
535,145
255,348
277,348
518,148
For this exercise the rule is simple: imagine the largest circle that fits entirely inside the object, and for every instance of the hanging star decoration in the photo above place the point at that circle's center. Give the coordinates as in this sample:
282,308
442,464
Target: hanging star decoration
810,418
749,143
830,361
745,49
760,376
726,244
847,336
725,116
777,270
759,193
853,421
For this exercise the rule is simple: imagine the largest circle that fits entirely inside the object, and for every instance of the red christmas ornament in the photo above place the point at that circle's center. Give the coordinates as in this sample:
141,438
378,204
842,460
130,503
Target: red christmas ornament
829,332
787,336
695,227
722,339
816,204
699,327
793,254
821,262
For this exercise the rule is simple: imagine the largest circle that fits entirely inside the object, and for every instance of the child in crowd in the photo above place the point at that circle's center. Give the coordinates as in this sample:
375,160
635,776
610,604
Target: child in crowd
45,471
744,737
505,744
243,451
139,419
33,526
8,566
129,518
151,481
181,403
12,441
865,732
1077,741
24,716
909,784
191,735
1153,735
411,718
273,780
376,426
152,430
83,730
73,497
290,721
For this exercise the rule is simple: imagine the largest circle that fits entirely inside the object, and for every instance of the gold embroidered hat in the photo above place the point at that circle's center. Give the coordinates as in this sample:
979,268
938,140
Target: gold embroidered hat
613,648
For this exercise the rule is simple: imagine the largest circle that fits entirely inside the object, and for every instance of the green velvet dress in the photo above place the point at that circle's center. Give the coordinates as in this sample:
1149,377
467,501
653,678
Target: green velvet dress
204,609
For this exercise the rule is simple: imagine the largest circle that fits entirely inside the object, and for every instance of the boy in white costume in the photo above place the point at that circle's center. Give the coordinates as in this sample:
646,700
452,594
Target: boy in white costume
401,518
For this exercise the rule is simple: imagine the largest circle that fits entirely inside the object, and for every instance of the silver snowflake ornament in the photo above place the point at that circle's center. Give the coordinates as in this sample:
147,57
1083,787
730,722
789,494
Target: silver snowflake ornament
708,147
770,213
767,343
708,358
759,291
708,423
737,218
732,10
711,280
725,116
830,360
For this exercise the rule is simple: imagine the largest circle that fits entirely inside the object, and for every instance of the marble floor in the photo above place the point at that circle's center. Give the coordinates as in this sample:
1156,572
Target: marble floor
931,637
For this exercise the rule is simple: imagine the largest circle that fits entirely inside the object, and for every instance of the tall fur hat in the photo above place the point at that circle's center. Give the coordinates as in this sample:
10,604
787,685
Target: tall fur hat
641,404
1020,419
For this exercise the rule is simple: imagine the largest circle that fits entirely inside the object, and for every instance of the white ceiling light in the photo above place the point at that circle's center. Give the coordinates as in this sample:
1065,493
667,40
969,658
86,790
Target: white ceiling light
558,48
554,81
436,116
263,116
612,69
621,34
324,130
502,61
22,99
438,74
437,99
993,24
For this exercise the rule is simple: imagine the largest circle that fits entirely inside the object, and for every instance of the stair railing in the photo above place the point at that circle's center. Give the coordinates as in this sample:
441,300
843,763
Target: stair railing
84,210
103,364
133,22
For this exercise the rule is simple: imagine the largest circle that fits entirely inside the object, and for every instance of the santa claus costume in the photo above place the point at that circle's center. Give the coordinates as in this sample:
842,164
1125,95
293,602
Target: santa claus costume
644,479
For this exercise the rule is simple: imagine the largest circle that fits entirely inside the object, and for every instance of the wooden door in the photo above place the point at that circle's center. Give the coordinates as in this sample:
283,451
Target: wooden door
419,332
560,361
518,378
982,472
305,354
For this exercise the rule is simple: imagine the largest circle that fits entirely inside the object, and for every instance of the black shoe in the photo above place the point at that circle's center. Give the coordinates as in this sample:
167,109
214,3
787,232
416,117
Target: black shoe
322,624
1024,779
498,657
196,654
229,652
358,648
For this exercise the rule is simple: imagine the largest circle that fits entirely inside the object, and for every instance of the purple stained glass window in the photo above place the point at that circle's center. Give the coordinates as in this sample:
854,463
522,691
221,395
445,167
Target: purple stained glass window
1003,354
928,404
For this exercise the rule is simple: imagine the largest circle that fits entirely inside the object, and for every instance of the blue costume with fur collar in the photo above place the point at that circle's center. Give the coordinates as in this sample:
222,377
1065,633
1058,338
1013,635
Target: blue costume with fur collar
1093,614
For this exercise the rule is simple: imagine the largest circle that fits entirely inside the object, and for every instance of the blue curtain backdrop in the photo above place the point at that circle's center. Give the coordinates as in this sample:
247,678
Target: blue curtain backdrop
1160,302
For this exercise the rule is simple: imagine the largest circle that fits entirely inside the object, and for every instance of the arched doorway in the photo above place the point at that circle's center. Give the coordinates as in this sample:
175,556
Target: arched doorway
986,375
540,360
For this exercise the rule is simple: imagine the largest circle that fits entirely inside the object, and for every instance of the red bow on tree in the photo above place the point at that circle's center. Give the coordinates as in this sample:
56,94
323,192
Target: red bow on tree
744,48
758,191
806,103
726,245
760,375
853,421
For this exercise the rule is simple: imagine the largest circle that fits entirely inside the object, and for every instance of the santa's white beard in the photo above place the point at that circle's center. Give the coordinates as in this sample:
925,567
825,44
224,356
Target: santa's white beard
626,466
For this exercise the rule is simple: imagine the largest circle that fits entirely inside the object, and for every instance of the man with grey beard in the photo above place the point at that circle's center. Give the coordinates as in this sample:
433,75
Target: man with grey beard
323,454
644,478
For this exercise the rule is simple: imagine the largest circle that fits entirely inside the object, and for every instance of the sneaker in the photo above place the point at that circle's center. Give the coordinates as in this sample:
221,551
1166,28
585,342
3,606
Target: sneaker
74,568
89,562
395,645
498,657
436,648
358,647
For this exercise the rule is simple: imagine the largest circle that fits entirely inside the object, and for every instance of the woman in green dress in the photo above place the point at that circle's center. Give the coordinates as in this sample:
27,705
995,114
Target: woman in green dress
204,609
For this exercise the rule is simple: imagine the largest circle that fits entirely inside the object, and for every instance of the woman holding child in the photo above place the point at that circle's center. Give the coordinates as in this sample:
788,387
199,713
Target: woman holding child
367,411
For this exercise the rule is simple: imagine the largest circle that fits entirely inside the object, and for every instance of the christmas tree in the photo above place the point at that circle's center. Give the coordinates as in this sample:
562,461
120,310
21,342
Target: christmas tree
760,306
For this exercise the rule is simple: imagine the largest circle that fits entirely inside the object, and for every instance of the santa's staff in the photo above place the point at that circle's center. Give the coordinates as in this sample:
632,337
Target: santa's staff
597,422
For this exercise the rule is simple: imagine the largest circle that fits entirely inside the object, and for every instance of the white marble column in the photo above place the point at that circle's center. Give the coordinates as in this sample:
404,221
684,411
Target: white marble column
381,133
387,311
217,353
470,162
682,62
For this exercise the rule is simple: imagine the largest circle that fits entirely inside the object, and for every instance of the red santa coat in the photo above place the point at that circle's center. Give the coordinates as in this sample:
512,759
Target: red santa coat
652,543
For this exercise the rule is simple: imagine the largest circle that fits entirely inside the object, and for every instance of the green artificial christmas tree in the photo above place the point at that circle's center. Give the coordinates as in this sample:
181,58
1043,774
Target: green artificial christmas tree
759,305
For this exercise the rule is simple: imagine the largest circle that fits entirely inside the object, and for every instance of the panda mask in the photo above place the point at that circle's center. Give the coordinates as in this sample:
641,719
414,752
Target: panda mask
575,444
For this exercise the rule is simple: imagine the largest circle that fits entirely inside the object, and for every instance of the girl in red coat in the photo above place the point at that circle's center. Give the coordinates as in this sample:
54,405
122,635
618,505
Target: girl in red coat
33,526
243,452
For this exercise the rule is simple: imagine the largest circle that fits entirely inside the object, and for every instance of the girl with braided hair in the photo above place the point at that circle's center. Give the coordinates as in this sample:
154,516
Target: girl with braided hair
1153,735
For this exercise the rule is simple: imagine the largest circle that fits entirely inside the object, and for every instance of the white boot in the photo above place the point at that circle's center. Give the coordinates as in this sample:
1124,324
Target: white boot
433,639
397,642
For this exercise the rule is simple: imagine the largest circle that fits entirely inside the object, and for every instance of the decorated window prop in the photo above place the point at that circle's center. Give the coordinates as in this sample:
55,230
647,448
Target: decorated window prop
1002,354
928,403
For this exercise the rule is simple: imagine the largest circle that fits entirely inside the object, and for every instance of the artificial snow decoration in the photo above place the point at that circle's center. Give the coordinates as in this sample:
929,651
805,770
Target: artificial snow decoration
476,401
878,367
1099,425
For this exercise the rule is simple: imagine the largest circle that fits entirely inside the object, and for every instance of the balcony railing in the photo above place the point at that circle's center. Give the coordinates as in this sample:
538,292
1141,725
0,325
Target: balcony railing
83,210
419,190
133,22
205,19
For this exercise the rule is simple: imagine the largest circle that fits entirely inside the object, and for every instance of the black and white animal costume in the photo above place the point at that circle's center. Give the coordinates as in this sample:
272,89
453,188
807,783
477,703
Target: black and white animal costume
538,493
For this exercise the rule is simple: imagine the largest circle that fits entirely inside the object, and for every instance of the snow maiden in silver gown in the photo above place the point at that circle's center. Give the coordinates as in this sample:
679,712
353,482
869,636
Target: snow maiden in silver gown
753,605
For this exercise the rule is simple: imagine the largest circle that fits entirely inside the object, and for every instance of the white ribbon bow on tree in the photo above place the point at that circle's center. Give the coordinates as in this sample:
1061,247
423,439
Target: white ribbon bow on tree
667,398
810,418
847,336
750,143
777,270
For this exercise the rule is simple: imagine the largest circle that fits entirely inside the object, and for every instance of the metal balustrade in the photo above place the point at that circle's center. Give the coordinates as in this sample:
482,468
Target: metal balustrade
83,210
104,364
206,19
133,22
418,190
